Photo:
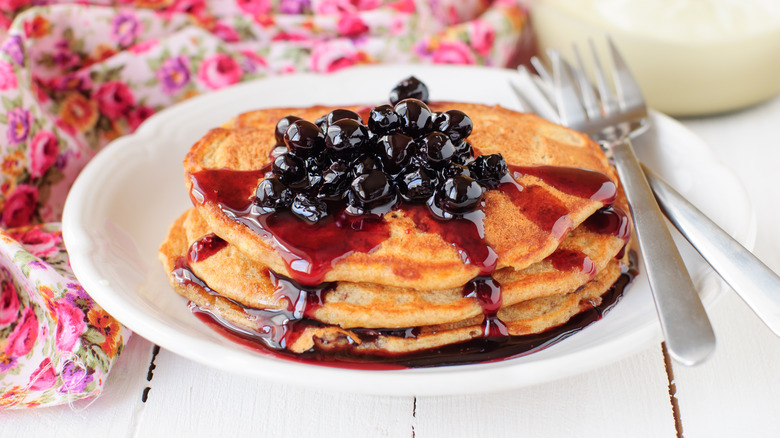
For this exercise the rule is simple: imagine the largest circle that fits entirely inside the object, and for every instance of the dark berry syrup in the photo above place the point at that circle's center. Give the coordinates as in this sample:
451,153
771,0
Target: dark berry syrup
276,328
310,250
481,350
324,197
487,292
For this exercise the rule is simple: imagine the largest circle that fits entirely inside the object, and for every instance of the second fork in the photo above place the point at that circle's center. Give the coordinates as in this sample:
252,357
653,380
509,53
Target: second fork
611,120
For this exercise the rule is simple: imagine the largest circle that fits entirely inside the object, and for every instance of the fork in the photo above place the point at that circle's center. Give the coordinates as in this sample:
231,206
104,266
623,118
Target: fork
612,119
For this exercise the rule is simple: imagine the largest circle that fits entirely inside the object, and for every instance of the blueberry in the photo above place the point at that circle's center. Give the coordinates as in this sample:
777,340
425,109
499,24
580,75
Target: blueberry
458,194
403,152
281,127
314,168
371,187
383,120
335,182
346,135
410,87
364,164
355,207
451,169
418,157
435,210
395,150
304,138
340,113
464,153
322,123
316,164
278,150
455,123
417,185
373,139
416,117
371,193
488,170
272,194
311,210
438,148
290,169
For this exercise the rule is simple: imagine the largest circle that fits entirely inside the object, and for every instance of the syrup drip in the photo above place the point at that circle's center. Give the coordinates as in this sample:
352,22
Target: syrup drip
231,189
540,207
568,260
371,335
309,250
545,210
470,352
611,220
184,276
582,183
277,328
304,299
338,235
205,247
487,291
466,233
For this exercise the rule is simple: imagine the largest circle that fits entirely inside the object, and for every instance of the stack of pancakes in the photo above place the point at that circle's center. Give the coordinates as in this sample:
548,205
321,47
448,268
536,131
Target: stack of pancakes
414,290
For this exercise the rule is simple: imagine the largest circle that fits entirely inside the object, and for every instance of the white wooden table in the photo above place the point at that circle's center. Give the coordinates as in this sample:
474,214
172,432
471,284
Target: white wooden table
736,393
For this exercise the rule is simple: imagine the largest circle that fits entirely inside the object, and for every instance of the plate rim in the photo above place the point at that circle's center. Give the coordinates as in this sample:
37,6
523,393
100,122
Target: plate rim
416,381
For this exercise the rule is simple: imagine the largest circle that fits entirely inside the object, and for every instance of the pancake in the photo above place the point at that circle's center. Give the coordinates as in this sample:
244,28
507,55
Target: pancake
497,251
522,228
523,318
367,305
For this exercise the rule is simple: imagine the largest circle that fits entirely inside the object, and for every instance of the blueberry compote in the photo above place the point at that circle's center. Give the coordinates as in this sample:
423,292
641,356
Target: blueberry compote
332,180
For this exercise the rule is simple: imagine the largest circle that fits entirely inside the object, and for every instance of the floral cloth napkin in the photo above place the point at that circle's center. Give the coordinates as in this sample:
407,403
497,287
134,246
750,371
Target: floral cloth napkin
75,75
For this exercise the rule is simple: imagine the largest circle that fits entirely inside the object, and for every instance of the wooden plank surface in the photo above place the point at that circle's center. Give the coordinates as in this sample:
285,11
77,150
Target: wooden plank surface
191,399
627,398
111,414
737,391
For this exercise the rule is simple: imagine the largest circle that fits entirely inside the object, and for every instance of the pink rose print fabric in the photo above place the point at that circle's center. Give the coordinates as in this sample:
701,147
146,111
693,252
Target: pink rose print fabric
56,344
75,75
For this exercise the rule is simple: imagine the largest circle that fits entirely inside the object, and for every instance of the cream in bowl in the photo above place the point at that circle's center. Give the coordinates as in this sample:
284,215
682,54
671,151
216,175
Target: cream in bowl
691,57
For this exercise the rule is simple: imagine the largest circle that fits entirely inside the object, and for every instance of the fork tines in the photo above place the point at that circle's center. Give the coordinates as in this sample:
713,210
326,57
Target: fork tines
576,99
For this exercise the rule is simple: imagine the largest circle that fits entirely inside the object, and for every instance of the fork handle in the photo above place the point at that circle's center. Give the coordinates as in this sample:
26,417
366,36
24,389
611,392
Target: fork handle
753,281
684,323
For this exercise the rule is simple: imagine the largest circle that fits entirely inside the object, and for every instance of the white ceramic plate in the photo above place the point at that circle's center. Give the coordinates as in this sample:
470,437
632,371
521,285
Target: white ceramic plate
121,205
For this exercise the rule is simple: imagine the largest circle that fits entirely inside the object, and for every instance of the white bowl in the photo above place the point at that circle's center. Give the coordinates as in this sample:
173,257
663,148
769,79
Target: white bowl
690,57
